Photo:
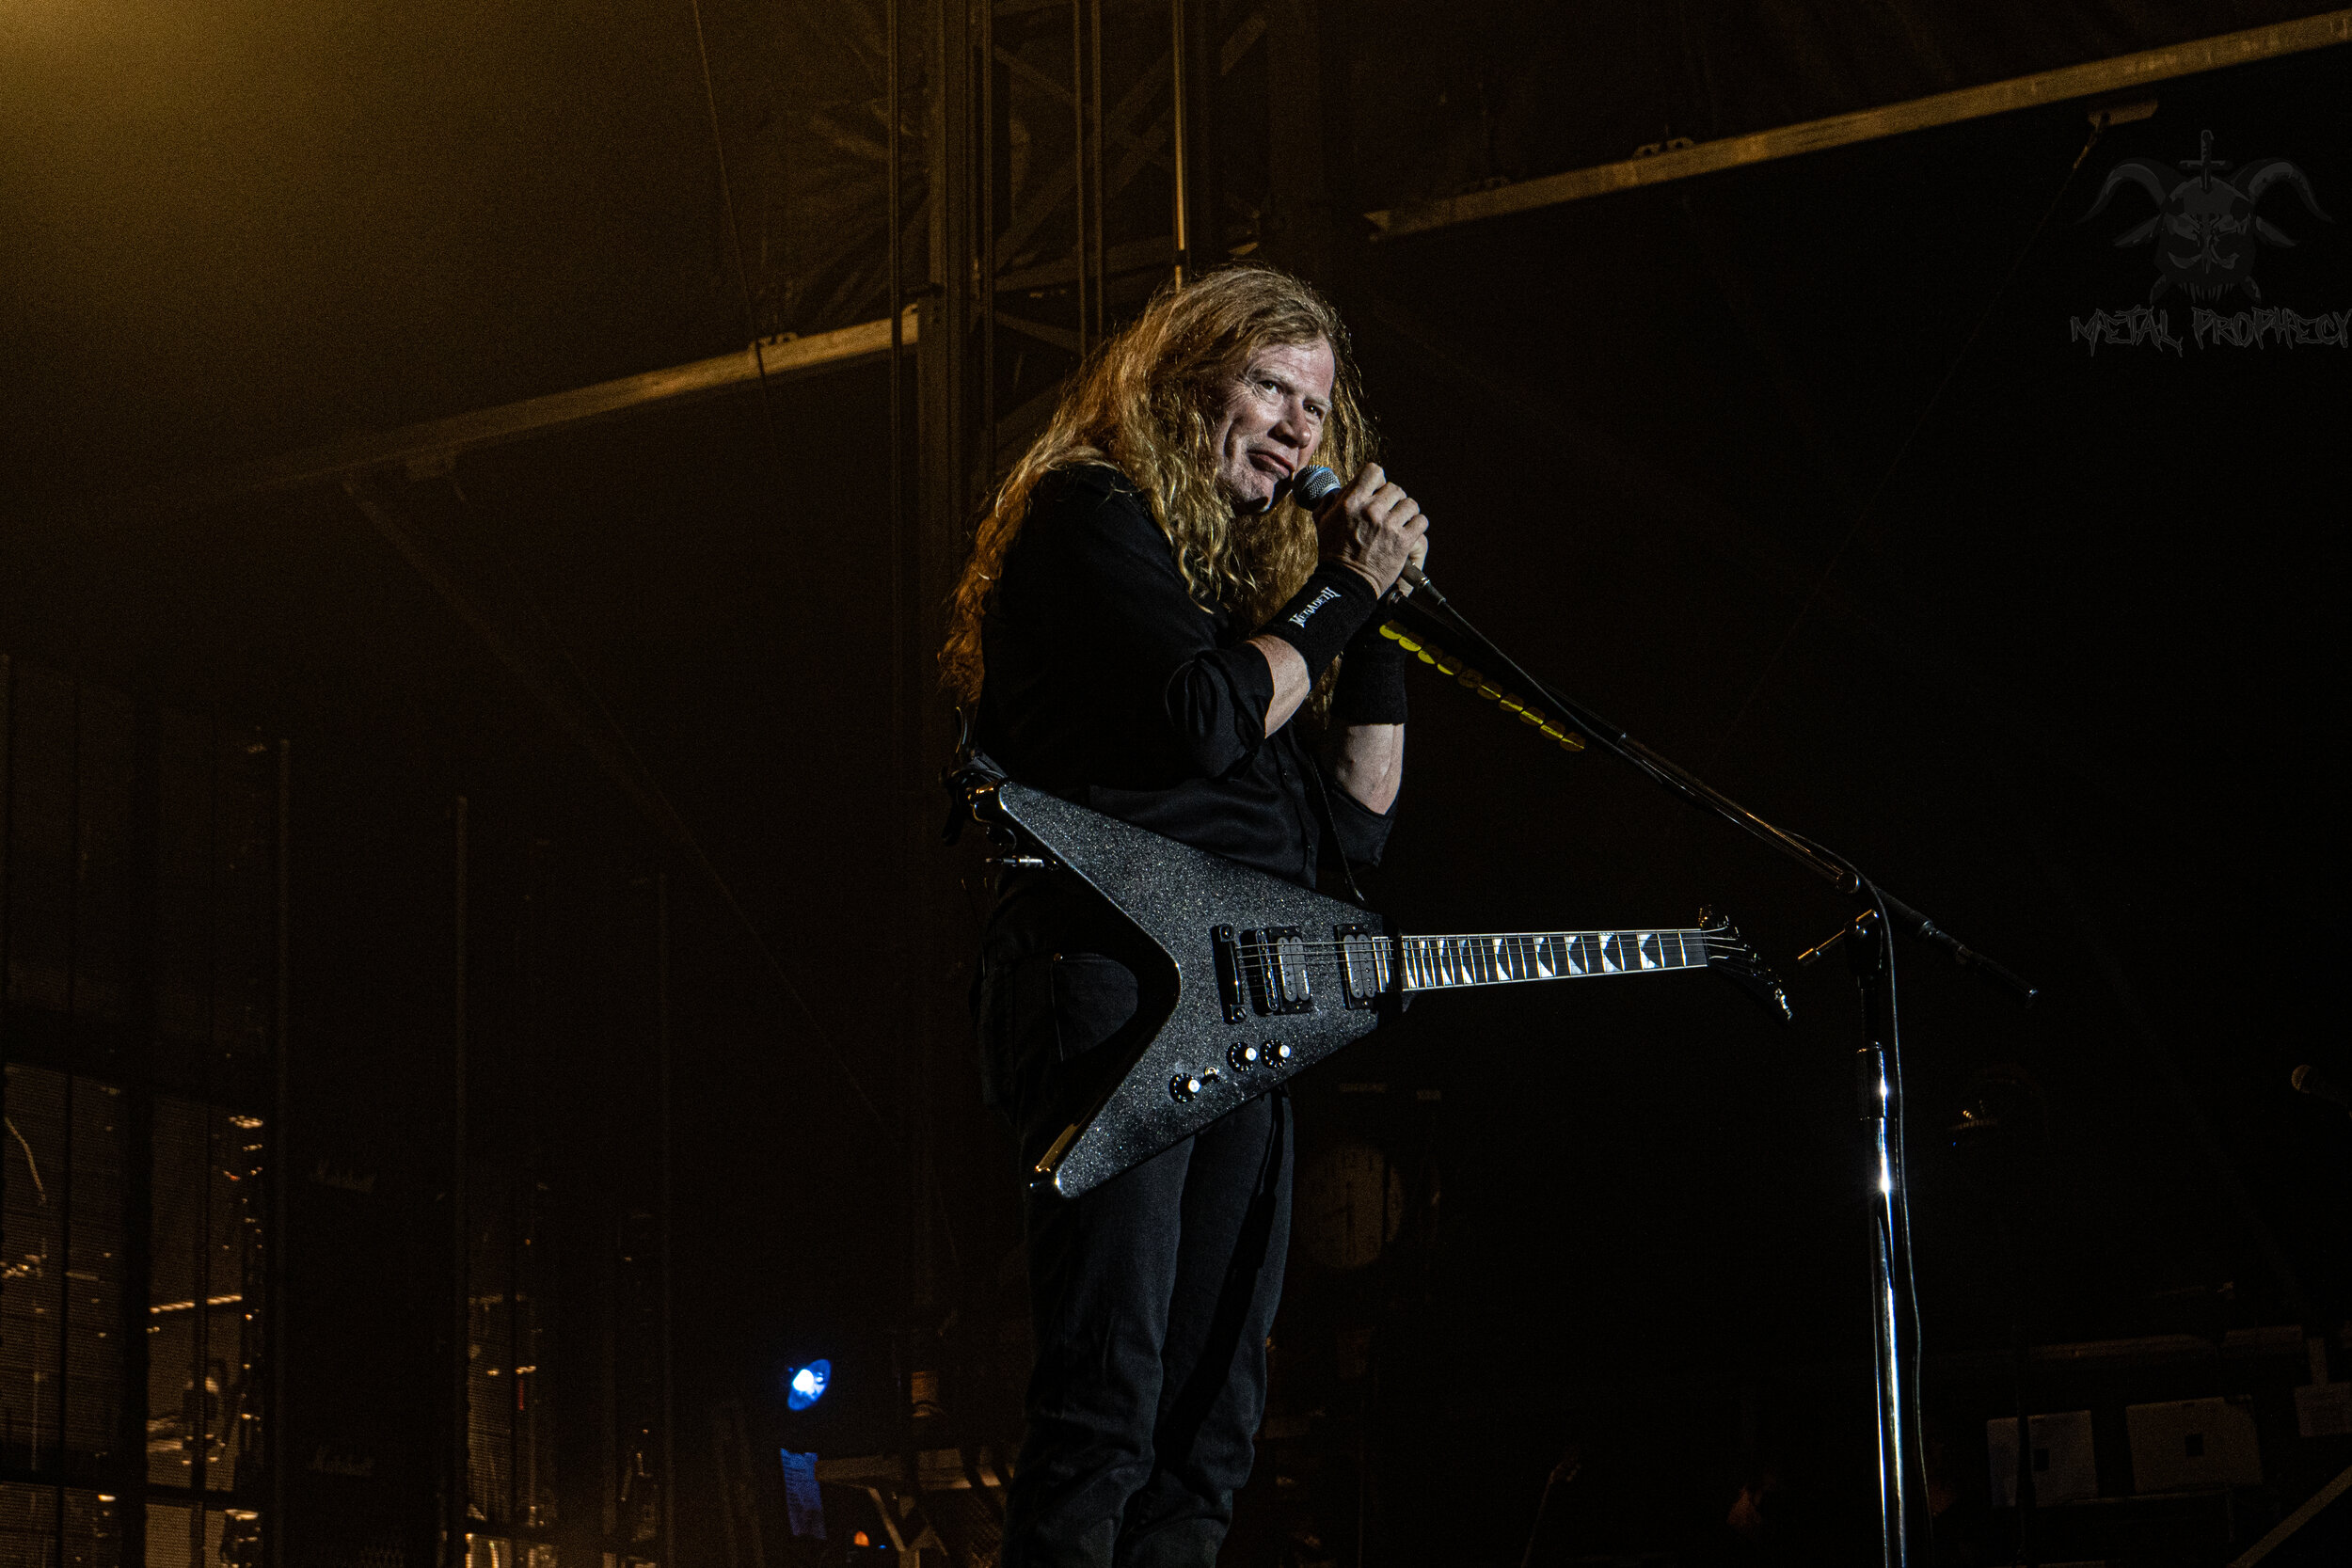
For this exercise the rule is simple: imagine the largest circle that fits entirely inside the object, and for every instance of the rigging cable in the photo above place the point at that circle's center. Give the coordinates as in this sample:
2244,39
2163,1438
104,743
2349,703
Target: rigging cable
672,822
40,1188
1869,503
768,426
735,244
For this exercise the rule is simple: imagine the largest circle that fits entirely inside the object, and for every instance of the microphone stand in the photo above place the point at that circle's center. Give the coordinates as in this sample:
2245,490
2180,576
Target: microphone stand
1879,1082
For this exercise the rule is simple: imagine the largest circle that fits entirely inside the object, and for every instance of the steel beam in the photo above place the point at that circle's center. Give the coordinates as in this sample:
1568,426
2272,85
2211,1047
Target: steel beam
437,441
2124,73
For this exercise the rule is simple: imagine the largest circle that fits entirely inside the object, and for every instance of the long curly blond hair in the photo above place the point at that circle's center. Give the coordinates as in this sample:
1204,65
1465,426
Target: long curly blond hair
1144,403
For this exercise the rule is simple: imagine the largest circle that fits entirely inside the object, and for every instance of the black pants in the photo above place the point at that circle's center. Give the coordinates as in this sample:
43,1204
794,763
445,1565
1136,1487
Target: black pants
1152,1296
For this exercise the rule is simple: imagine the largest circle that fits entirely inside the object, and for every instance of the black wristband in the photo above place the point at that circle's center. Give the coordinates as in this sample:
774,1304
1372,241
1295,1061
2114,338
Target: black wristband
1322,616
1370,687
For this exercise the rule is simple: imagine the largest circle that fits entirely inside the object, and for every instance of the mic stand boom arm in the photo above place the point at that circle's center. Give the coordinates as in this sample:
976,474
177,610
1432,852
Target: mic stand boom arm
1894,1307
1671,776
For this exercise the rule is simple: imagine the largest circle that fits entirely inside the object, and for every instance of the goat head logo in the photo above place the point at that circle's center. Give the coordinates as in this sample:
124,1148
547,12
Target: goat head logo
2204,224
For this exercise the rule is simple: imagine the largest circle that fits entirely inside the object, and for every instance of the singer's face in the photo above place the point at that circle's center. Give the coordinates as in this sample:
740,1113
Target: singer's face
1270,421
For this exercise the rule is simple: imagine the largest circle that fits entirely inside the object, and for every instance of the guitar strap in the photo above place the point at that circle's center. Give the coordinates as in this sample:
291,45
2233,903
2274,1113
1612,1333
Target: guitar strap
969,767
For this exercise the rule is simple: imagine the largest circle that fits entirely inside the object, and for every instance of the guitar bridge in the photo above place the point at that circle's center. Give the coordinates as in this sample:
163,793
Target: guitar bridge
1229,981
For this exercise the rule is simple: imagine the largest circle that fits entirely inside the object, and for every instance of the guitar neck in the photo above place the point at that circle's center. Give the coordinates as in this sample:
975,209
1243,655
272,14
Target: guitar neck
1449,963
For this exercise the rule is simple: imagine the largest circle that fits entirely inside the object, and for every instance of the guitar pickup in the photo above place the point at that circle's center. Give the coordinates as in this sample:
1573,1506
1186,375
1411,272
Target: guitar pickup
1263,971
1367,965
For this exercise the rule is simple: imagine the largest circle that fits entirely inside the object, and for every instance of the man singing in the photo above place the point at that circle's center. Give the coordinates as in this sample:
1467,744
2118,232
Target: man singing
1148,626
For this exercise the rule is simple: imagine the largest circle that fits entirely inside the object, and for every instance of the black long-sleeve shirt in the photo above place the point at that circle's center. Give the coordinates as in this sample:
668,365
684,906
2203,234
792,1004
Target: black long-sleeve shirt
1109,685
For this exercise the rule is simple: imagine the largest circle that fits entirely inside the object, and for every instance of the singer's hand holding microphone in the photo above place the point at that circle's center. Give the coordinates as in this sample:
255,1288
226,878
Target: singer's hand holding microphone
1371,525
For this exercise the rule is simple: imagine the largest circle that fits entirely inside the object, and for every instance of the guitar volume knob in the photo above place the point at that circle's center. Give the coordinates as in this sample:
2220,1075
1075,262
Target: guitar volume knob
1183,1087
1243,1057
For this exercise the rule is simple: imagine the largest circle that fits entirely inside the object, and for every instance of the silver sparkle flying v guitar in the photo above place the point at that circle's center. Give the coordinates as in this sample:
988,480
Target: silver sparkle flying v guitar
1263,977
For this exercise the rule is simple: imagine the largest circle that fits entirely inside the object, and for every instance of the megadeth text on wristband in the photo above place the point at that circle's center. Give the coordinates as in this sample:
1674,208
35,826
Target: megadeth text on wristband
1322,615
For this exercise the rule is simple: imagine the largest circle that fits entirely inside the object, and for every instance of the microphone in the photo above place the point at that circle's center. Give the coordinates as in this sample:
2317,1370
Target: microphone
2309,1080
1315,485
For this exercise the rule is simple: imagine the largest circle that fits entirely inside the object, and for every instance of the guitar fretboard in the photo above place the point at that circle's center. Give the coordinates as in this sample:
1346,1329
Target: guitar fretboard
1436,964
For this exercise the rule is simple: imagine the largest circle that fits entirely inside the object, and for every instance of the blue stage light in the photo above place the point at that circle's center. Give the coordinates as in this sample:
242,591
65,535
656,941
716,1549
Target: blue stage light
806,1384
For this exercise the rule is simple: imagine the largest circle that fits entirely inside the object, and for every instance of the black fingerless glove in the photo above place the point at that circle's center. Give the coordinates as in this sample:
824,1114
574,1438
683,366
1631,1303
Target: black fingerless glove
1322,616
1370,687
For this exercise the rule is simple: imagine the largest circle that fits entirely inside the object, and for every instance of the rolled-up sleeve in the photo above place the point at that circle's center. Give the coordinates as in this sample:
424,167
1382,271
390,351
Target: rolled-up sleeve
1361,832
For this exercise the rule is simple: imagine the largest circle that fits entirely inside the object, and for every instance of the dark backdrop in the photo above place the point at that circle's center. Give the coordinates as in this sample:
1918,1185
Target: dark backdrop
2057,666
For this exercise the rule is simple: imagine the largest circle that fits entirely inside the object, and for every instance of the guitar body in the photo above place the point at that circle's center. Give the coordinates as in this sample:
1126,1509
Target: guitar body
1246,979
1179,899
